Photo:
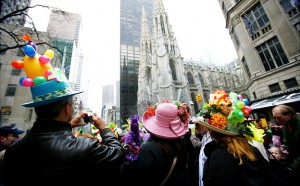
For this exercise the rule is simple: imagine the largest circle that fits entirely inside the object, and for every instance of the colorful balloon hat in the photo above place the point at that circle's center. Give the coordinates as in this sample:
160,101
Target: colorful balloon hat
227,114
47,84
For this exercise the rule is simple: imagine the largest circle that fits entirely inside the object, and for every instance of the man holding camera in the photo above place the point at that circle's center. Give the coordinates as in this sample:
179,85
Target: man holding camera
51,155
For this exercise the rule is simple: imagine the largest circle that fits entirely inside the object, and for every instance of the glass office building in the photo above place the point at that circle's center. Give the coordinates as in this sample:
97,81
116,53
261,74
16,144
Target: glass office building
130,33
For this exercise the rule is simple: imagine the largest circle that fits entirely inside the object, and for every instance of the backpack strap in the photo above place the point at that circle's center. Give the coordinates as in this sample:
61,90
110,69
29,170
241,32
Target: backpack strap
170,171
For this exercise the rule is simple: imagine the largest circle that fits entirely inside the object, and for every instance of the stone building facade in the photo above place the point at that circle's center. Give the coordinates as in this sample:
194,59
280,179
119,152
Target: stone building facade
266,35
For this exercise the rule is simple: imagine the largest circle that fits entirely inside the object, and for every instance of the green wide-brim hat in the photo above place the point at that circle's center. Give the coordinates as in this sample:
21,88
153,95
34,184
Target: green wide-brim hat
49,92
216,129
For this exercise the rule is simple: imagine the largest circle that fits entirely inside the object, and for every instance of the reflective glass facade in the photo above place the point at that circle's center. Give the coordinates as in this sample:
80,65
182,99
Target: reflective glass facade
130,33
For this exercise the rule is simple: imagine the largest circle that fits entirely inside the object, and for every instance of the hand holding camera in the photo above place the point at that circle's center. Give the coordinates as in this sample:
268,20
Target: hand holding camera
88,119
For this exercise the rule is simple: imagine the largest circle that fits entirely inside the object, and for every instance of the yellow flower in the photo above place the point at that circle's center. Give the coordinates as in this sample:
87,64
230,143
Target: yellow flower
258,134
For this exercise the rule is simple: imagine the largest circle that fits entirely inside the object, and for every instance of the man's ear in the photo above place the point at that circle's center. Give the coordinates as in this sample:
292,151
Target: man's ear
67,108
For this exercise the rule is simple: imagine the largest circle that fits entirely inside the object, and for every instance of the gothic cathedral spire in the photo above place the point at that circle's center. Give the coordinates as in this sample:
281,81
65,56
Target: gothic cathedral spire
161,69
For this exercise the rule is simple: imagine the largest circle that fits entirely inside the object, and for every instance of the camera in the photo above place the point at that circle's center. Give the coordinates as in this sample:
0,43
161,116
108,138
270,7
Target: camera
87,119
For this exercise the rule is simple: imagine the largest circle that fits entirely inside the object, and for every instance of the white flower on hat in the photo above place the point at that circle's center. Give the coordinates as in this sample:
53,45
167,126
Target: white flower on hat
197,119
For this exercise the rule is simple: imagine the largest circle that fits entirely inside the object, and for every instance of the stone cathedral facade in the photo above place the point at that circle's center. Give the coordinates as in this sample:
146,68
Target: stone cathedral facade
163,74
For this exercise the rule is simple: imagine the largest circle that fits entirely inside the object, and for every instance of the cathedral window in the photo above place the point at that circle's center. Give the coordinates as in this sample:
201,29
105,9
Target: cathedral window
167,48
162,24
201,79
173,69
190,78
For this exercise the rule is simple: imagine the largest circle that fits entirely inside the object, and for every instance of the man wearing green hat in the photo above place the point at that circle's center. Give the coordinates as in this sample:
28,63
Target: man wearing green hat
50,154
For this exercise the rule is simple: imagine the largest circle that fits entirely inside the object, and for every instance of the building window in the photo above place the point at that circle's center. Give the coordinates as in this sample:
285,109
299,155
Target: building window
162,24
274,87
190,78
201,79
254,95
15,72
224,8
167,48
246,67
290,83
210,80
173,69
5,110
255,20
235,38
11,90
2,47
290,7
272,54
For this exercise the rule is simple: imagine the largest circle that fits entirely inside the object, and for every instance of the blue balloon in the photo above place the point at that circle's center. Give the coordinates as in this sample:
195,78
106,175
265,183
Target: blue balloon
21,81
29,50
245,101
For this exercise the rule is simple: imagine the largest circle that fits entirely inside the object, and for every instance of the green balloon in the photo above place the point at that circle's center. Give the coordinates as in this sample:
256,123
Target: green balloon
39,80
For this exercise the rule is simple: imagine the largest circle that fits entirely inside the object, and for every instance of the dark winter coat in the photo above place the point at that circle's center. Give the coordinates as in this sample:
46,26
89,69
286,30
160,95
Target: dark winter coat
51,155
222,168
154,163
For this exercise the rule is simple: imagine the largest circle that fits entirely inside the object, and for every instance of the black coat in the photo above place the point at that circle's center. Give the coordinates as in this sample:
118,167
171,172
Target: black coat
153,164
222,168
51,155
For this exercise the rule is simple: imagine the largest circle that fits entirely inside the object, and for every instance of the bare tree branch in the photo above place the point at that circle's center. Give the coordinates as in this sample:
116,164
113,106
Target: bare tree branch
15,35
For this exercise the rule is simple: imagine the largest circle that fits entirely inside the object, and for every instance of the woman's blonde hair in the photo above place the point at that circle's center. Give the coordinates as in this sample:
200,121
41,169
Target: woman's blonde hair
236,145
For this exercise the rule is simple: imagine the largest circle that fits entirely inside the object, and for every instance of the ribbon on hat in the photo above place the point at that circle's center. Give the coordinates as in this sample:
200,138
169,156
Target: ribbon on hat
177,126
51,95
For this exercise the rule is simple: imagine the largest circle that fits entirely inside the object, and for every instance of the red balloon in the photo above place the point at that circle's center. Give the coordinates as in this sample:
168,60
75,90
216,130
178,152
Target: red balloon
17,64
248,108
246,113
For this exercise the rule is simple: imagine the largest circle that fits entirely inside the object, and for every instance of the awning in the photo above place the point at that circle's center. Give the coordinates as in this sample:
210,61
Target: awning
288,98
294,97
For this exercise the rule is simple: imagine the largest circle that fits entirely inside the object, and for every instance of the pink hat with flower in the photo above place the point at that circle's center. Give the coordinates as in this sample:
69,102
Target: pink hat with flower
167,120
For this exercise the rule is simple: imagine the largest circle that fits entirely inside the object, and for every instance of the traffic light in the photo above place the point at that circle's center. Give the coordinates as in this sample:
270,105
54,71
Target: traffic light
199,98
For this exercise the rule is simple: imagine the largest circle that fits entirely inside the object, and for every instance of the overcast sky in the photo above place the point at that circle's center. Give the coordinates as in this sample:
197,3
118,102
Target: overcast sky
199,27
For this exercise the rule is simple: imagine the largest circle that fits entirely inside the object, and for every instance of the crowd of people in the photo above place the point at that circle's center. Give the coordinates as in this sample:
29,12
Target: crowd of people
170,147
217,150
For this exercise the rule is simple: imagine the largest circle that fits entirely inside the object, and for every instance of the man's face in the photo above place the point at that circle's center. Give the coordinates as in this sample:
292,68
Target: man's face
280,117
6,141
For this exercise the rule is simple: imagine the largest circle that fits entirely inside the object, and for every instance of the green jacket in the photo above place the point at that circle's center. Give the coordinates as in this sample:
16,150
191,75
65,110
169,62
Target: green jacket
291,142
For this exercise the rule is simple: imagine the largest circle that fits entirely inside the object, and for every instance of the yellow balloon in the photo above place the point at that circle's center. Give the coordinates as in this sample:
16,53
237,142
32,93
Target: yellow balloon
49,53
34,68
